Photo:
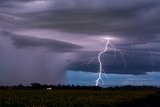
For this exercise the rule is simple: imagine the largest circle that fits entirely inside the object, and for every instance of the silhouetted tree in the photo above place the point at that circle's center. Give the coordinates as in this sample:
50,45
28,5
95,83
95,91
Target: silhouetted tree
36,85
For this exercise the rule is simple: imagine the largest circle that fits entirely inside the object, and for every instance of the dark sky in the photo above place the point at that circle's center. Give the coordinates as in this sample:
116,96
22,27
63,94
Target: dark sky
41,39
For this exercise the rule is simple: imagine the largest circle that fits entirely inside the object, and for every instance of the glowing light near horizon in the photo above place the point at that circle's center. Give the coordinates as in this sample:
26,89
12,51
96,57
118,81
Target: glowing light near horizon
108,38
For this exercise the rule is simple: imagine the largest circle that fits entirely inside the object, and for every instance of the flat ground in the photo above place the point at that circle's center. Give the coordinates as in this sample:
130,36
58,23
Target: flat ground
79,98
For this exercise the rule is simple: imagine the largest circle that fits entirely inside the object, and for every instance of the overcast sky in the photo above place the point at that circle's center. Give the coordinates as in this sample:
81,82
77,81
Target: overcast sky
41,39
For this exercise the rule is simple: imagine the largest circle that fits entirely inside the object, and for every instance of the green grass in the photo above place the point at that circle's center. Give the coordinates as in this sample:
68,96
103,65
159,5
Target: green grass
69,98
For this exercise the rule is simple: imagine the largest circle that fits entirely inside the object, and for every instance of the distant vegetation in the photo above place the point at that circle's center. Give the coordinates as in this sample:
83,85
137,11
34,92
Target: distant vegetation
37,95
59,86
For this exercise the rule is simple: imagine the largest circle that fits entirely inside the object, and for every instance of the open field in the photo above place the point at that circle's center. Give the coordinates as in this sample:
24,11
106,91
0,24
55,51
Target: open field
79,98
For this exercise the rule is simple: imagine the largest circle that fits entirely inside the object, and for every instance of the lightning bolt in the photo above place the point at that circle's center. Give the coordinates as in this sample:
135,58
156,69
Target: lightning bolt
148,46
100,62
121,55
132,44
108,43
101,71
150,52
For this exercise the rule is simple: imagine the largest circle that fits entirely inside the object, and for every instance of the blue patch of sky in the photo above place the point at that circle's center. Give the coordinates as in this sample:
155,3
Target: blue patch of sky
88,78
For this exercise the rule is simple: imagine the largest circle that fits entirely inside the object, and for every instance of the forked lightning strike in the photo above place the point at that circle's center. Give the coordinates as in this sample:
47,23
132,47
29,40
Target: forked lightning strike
150,52
107,42
149,49
100,62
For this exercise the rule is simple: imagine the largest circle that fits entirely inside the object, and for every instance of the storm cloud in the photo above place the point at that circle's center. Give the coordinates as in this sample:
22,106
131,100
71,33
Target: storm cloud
74,30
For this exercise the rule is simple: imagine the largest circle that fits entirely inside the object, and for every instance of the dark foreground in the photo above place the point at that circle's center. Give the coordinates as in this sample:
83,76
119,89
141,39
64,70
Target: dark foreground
79,98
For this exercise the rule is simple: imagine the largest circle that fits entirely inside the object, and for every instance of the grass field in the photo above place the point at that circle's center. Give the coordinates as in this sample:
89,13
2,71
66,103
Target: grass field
78,98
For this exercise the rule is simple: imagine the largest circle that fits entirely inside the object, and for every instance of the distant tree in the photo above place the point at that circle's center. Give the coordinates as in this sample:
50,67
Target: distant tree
36,85
20,86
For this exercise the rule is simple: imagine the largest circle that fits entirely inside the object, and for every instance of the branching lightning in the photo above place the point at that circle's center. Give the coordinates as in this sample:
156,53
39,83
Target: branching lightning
148,46
107,43
121,54
149,49
101,72
100,63
132,43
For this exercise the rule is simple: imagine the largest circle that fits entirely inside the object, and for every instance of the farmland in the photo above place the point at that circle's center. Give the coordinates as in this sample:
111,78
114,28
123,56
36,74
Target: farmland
79,98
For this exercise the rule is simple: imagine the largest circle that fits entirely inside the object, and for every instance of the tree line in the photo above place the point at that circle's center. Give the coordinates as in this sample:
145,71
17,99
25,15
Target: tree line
59,86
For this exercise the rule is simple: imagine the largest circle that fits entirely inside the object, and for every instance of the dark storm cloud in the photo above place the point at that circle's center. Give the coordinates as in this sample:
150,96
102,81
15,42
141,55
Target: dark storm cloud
128,19
119,18
136,22
24,41
35,64
137,62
